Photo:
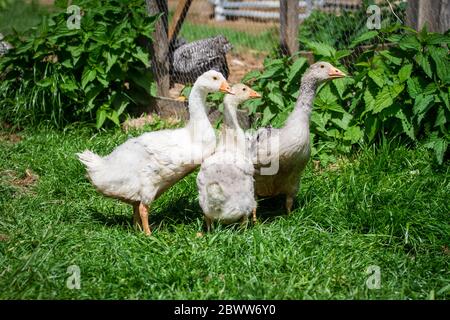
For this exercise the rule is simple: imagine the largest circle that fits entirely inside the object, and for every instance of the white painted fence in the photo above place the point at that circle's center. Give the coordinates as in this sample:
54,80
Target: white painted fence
253,8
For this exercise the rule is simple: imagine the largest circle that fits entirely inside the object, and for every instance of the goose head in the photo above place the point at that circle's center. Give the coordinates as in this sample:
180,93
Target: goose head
213,81
242,93
323,71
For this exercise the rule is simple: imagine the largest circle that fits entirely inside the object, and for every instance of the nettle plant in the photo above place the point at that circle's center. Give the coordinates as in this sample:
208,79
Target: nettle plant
59,74
398,90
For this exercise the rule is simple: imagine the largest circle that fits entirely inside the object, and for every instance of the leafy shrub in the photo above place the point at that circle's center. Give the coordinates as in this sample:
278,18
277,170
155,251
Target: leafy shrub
399,91
62,75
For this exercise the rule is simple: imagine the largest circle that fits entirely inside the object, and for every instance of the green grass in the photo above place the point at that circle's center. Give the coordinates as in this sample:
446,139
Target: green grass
21,16
263,41
387,207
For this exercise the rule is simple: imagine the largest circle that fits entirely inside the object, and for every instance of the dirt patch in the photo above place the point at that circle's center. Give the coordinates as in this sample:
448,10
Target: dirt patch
242,63
446,250
10,137
3,237
202,12
24,182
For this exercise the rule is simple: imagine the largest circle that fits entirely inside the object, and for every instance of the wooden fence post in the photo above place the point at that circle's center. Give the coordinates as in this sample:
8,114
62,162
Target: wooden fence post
289,23
160,46
412,14
435,14
178,19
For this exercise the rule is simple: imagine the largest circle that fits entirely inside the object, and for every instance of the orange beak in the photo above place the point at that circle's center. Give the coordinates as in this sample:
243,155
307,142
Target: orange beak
225,87
335,73
254,94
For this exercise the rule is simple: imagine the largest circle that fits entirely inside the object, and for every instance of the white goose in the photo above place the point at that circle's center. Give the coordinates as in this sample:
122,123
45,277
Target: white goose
142,168
225,181
281,155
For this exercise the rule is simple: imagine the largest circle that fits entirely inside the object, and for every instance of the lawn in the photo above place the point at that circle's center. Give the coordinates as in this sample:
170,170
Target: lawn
386,207
263,41
21,16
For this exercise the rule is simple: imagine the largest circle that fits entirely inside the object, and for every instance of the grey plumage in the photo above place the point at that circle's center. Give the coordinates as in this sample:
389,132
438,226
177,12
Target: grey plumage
223,183
287,150
190,60
4,46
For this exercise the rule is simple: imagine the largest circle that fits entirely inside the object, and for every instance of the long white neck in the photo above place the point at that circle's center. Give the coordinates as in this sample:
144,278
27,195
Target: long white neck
197,107
230,113
232,134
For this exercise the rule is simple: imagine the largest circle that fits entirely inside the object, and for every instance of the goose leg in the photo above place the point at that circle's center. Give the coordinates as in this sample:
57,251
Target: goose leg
244,222
143,213
289,203
254,210
208,224
136,216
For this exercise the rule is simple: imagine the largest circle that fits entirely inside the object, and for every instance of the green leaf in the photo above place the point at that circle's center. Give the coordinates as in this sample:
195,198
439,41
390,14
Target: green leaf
369,99
440,147
114,117
68,86
88,76
142,56
321,49
296,68
383,100
363,38
410,42
421,106
354,134
408,128
414,87
276,97
271,71
377,76
440,58
344,122
101,117
438,144
391,58
44,83
372,126
320,120
445,98
424,62
122,107
267,116
405,72
67,63
441,119
341,85
111,60
142,79
254,74
342,54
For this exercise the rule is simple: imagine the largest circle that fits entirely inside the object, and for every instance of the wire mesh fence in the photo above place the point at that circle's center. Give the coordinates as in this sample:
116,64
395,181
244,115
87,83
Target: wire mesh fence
234,36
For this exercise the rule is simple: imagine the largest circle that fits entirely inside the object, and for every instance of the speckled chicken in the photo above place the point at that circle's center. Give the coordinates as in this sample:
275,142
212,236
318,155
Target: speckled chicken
189,60
281,155
142,168
225,181
4,46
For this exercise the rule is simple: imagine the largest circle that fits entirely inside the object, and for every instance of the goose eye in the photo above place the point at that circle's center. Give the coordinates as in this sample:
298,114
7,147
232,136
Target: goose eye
244,89
322,66
215,78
